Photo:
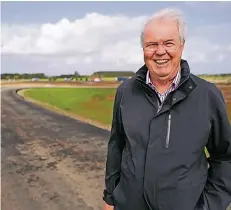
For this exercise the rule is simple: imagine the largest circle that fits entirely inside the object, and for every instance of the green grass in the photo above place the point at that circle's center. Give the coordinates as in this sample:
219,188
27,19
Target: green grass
92,103
109,79
217,78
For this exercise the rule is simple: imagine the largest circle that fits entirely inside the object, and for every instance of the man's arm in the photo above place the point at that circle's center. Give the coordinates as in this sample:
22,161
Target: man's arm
114,154
217,192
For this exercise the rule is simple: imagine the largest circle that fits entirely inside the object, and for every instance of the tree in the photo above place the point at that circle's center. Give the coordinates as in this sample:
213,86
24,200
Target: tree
77,75
16,76
8,77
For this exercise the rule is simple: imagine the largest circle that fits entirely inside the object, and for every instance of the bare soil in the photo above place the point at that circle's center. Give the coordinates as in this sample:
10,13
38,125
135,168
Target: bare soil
49,161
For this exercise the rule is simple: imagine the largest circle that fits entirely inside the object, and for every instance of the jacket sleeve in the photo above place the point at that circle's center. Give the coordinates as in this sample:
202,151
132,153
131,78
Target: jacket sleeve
114,153
217,192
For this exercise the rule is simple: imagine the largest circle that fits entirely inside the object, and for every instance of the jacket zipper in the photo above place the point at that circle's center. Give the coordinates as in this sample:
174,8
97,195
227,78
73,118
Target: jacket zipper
168,131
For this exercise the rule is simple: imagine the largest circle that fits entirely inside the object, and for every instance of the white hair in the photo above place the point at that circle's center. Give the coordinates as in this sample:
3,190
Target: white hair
170,14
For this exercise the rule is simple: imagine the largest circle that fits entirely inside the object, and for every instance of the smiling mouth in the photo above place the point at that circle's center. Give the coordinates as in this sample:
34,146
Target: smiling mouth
161,61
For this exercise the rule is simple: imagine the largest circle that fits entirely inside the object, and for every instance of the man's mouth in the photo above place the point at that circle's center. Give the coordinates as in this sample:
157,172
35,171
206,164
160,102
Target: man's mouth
161,61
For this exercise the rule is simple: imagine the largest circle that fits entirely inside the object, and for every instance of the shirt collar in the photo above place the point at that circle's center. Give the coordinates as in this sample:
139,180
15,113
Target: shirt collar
175,82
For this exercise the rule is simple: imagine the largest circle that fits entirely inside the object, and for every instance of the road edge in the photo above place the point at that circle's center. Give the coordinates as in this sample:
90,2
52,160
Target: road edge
20,93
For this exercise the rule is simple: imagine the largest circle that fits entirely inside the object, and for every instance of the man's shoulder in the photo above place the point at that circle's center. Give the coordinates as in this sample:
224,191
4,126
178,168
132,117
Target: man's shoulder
207,86
203,83
126,84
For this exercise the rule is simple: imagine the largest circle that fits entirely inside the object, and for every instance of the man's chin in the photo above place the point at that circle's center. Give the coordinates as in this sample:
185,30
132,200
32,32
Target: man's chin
163,77
163,74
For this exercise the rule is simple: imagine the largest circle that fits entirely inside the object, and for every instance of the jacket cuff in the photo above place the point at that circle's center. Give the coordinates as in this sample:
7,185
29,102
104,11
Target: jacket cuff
108,198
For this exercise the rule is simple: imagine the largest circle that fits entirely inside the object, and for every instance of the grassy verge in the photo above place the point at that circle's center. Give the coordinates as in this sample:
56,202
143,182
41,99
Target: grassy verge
92,103
217,78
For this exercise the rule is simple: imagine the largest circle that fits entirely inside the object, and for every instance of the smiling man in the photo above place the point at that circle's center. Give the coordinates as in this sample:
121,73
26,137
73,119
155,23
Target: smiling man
163,118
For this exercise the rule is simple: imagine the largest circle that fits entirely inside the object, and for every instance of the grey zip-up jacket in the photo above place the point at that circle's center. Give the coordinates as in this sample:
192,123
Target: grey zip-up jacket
156,160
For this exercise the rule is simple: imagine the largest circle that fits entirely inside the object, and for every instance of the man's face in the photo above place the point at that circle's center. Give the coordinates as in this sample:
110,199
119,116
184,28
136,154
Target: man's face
162,48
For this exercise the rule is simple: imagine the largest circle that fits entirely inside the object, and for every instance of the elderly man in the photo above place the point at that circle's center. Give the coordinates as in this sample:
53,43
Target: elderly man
163,119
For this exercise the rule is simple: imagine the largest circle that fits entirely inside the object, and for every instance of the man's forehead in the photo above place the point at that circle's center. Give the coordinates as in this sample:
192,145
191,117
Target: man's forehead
161,23
162,29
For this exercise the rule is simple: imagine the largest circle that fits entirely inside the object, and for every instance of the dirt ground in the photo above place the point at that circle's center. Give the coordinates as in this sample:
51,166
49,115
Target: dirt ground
226,91
59,83
49,161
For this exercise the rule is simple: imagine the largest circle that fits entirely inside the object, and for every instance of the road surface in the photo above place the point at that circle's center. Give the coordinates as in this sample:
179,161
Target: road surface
49,161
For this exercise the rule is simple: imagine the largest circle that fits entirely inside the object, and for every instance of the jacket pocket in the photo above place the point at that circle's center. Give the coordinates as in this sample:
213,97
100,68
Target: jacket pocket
167,140
119,194
167,197
116,185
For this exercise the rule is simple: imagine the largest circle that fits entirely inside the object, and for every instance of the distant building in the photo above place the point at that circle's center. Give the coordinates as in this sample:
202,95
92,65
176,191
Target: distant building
35,79
68,79
121,79
95,79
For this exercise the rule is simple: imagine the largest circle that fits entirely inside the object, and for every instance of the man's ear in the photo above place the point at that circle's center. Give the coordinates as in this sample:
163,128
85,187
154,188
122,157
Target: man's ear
182,44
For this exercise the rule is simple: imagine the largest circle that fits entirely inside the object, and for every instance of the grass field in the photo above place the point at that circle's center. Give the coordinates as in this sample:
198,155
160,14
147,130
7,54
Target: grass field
217,79
226,91
92,103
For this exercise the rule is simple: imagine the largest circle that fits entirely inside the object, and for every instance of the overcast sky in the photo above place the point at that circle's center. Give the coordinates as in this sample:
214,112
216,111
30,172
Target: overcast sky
61,37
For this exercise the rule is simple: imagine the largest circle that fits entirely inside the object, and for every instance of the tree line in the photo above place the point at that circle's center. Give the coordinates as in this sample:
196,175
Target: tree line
215,75
17,76
23,76
77,76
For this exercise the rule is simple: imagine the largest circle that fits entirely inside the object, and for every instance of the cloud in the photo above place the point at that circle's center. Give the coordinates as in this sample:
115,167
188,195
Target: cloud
201,50
90,34
95,42
229,47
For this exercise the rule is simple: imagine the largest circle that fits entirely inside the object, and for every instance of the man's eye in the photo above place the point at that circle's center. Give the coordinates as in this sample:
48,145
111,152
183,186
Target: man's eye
152,45
169,44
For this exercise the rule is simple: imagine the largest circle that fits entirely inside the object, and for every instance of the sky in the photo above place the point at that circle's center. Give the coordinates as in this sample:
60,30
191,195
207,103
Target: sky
62,37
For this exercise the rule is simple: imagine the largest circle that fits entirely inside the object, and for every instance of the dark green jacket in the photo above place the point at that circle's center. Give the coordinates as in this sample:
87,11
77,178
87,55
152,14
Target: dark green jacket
156,161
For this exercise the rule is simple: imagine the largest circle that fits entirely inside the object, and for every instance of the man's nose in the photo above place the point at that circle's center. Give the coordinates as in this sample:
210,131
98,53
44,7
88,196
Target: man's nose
160,50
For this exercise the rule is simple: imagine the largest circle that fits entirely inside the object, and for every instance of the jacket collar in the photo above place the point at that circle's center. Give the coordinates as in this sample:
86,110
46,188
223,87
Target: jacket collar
186,86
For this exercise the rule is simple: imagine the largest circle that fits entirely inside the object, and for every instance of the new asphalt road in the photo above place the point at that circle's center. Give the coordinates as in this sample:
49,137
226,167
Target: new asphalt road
49,161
